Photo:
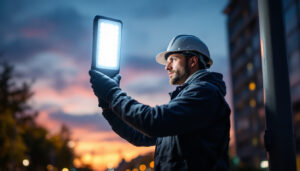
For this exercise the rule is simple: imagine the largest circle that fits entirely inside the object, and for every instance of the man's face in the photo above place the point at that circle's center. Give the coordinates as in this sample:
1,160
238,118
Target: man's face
177,68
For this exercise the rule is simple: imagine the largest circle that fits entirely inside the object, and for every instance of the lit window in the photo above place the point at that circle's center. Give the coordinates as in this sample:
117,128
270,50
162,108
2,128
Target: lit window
255,141
252,103
249,66
297,117
252,86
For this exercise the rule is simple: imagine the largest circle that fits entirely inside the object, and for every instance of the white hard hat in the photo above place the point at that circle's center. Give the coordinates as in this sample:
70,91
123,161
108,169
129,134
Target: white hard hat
182,43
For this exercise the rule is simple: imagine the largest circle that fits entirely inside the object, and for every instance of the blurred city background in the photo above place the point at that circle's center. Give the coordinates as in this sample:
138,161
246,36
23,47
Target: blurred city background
49,119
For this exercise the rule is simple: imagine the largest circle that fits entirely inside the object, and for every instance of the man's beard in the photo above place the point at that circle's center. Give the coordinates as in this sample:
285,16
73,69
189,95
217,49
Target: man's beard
179,76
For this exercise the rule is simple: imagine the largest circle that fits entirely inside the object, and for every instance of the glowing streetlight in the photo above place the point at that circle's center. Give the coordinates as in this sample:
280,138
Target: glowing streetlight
50,167
152,164
71,144
65,169
142,167
26,162
106,45
264,164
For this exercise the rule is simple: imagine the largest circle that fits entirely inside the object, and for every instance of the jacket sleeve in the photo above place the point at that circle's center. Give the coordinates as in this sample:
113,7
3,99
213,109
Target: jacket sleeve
128,133
194,109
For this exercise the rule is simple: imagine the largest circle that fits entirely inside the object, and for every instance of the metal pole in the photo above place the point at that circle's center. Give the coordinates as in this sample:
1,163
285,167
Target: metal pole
279,136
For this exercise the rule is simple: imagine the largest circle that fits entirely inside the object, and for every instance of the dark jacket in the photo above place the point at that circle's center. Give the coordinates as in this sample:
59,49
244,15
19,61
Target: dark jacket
191,132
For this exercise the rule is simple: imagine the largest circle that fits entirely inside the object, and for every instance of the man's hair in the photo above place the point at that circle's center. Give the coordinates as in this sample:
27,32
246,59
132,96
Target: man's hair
201,62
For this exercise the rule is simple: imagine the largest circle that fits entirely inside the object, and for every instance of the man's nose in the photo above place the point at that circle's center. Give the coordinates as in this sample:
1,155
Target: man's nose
168,66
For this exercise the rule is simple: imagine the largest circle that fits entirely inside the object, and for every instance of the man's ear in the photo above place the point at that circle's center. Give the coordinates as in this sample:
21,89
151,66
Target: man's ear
194,61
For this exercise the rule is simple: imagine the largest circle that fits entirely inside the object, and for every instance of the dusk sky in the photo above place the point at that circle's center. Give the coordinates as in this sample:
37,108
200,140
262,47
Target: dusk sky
51,43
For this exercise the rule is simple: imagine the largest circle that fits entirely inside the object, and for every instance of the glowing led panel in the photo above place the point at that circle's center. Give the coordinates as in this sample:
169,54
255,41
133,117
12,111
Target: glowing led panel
108,44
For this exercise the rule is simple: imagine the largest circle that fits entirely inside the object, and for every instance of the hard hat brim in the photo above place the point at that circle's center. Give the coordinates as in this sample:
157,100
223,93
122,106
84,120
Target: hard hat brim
161,57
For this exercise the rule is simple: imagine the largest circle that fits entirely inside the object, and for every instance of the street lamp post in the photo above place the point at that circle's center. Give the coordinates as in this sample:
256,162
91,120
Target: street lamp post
279,136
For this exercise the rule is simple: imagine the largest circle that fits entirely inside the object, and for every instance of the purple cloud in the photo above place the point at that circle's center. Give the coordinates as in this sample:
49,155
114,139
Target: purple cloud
95,122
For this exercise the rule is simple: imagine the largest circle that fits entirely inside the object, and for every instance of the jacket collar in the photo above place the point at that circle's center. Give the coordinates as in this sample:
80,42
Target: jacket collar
195,75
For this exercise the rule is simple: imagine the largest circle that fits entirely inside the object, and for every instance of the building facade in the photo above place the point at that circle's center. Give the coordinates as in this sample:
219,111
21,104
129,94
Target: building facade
246,74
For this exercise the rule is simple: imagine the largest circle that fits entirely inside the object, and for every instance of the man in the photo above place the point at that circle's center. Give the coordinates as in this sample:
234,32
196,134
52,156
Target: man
191,132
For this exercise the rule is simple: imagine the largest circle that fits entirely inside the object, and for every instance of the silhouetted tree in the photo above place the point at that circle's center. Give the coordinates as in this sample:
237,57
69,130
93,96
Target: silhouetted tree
20,136
64,153
13,100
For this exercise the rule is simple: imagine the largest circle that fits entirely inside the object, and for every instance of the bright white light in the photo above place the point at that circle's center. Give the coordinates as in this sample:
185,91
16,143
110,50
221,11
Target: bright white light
71,144
264,164
26,162
109,41
65,169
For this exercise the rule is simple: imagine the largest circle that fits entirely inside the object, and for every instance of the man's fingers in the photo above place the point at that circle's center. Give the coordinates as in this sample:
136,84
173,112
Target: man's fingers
95,73
91,72
117,78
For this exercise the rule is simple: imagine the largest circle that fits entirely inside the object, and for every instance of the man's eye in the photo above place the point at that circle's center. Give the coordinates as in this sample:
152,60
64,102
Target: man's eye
171,59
